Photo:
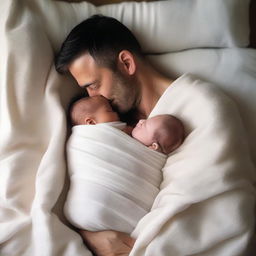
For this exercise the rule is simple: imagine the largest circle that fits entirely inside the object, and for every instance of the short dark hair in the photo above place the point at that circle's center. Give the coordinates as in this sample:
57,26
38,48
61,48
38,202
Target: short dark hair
102,37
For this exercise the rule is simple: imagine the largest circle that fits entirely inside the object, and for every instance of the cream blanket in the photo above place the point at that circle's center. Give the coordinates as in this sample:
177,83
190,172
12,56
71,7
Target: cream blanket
33,99
206,194
114,178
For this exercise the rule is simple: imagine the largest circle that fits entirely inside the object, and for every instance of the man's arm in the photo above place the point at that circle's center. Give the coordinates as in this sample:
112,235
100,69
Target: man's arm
108,243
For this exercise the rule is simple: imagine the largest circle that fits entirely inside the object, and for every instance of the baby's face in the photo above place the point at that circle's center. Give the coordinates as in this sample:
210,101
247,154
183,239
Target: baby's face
163,133
144,131
103,111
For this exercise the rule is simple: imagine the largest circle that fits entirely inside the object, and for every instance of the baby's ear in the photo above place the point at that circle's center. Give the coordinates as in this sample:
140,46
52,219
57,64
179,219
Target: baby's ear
154,146
89,121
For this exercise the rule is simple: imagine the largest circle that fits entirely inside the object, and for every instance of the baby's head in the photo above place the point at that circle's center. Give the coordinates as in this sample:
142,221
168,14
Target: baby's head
163,133
92,110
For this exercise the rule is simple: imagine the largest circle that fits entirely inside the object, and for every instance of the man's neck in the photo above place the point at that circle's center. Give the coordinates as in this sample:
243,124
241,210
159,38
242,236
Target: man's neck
152,84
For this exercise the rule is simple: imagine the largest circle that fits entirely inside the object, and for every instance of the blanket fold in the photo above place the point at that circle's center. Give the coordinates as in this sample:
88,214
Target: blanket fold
114,178
207,195
33,128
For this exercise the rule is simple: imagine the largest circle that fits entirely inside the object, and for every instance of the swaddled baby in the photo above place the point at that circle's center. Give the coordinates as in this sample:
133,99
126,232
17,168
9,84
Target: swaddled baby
114,177
163,133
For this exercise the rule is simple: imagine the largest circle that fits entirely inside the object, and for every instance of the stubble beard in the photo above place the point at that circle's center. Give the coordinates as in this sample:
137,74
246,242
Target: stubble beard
125,94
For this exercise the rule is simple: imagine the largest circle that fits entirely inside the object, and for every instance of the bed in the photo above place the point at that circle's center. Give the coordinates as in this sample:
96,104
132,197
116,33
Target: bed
213,40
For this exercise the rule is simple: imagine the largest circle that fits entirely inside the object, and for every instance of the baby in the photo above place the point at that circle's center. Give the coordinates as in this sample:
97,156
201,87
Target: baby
163,133
114,178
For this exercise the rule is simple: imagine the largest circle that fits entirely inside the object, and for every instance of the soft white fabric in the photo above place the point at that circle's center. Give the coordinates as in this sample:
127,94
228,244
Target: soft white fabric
206,194
33,99
232,70
160,26
118,125
182,24
111,187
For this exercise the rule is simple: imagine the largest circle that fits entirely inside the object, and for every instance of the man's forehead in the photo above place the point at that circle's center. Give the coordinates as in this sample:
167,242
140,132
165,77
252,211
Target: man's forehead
84,59
84,69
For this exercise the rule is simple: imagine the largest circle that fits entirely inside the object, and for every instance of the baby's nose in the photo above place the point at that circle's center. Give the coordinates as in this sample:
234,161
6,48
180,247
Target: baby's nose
141,121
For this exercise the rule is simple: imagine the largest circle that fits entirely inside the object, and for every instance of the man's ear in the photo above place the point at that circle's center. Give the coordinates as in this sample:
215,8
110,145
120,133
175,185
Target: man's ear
126,62
90,121
154,146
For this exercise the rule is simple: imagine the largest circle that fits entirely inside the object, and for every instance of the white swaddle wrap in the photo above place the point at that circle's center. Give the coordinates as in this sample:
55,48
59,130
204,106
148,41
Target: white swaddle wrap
114,178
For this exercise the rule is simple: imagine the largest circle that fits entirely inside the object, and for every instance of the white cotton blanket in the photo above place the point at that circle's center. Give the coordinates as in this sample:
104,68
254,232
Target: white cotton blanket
206,195
114,178
33,100
233,70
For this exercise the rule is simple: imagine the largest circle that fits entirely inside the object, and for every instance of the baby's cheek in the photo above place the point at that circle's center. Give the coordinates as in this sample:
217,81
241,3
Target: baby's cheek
140,135
137,134
134,132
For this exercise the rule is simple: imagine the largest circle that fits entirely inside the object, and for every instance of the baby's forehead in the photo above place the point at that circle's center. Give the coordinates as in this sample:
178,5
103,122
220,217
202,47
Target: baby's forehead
163,121
99,100
157,119
94,101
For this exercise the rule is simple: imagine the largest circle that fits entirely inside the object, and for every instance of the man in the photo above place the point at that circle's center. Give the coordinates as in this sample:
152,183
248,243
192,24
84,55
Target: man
105,58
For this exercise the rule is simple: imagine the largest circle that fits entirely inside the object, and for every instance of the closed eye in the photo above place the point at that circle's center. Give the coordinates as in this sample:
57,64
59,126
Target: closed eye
89,85
92,86
141,122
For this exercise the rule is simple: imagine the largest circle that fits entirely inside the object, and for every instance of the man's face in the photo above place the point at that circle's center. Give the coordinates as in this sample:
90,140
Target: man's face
119,89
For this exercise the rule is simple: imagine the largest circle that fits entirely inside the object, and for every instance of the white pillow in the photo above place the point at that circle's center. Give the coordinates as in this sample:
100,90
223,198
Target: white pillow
175,25
160,26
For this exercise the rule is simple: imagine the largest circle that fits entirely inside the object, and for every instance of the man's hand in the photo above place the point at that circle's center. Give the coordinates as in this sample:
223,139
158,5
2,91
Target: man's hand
108,243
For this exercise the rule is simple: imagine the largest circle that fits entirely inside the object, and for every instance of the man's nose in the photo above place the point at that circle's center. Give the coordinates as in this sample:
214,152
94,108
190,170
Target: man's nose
93,93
